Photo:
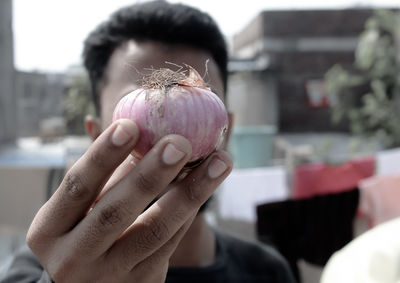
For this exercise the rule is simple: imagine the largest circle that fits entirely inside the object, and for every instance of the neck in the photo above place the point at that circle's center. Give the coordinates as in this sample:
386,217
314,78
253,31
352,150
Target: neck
197,247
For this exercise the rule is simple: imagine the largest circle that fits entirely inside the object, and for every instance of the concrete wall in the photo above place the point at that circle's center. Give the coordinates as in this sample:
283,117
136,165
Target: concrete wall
295,70
7,97
40,97
252,98
23,192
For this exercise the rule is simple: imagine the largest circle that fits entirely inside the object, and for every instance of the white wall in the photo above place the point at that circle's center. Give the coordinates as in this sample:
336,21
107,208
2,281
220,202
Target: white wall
22,193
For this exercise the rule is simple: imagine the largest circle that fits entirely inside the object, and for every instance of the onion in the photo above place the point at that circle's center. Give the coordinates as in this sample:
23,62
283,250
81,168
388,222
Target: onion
171,102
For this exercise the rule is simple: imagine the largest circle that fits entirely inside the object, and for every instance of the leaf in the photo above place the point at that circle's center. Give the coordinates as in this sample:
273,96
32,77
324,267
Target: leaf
379,89
77,104
366,49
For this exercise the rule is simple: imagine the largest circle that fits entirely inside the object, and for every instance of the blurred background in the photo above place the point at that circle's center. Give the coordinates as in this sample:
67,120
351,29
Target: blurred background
314,88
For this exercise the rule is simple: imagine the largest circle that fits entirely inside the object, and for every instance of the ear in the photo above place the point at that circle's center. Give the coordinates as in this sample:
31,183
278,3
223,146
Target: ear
229,130
92,127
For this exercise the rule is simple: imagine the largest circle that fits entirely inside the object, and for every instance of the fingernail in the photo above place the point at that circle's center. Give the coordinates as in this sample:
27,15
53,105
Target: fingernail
171,154
120,136
216,168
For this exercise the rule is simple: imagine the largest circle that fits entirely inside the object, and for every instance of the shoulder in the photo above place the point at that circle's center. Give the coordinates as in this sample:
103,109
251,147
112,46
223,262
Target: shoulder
254,257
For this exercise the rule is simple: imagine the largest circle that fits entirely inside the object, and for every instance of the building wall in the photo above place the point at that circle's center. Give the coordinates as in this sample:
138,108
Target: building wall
246,43
7,97
303,45
297,29
40,97
295,70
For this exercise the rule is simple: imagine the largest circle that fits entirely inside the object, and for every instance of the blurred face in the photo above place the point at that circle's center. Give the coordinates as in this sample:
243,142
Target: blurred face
132,60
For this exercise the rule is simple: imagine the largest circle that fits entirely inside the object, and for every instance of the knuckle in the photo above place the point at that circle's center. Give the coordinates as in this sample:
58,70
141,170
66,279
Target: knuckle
154,233
98,159
157,230
131,254
178,216
141,245
113,214
146,183
75,187
126,261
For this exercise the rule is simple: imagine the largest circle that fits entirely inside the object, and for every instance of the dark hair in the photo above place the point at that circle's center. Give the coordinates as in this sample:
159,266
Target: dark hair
156,20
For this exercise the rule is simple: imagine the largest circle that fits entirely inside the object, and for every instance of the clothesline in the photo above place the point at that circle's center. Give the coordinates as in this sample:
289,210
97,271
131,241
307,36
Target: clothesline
244,189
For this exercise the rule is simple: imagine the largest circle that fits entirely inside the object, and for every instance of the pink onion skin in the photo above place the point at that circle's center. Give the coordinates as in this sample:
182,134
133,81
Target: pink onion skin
195,113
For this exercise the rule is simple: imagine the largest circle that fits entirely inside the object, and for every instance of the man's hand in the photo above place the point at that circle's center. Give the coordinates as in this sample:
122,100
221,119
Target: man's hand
115,239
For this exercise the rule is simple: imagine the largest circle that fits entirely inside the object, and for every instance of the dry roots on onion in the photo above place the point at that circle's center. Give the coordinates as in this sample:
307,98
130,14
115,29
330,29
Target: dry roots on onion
172,102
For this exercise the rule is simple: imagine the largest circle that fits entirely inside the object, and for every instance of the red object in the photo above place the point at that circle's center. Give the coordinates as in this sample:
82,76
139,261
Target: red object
317,96
319,179
380,198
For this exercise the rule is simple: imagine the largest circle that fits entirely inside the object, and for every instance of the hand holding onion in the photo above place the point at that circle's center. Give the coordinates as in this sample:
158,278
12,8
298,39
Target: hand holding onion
170,102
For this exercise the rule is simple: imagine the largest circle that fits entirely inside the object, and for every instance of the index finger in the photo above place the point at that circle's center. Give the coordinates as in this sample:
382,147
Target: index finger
85,179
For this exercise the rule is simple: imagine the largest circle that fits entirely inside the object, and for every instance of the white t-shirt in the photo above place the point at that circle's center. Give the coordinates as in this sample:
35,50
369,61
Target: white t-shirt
373,257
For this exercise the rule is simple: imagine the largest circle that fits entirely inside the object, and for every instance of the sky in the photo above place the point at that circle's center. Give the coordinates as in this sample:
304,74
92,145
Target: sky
49,34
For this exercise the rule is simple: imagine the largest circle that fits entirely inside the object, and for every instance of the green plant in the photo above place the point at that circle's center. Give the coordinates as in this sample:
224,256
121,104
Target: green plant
78,104
376,69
